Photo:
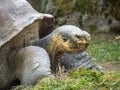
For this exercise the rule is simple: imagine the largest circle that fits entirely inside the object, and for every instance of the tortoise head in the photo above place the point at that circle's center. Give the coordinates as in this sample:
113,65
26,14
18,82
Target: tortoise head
72,39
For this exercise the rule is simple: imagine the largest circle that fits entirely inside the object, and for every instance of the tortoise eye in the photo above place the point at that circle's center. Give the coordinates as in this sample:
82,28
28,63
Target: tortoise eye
65,39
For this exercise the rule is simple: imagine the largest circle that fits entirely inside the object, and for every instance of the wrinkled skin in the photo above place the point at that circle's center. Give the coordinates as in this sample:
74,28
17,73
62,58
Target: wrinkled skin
67,38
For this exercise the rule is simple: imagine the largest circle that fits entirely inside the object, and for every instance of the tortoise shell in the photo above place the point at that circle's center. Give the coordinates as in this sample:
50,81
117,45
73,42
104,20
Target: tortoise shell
16,15
19,24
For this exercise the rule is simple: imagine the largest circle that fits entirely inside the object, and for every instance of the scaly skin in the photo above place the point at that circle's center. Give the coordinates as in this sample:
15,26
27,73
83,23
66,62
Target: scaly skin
79,60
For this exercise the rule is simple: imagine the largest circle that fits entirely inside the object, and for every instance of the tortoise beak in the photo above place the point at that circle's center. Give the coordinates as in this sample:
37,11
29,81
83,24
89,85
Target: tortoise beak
81,41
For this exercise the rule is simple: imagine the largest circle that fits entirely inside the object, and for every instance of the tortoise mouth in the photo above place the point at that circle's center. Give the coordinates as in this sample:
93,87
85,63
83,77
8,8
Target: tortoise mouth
78,48
79,44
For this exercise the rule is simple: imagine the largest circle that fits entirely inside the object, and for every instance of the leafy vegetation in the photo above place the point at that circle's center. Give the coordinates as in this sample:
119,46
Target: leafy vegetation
83,79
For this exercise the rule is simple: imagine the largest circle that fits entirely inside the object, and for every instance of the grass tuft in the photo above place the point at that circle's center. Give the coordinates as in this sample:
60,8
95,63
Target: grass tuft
82,79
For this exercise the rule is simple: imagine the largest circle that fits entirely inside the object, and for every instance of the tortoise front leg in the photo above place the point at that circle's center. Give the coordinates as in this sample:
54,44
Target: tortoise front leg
32,64
79,60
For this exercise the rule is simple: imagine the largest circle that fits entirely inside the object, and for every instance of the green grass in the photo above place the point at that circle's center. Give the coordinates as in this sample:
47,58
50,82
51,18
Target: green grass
105,51
83,79
80,79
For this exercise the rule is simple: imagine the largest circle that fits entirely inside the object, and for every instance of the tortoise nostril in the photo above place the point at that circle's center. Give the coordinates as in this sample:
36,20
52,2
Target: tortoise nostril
82,39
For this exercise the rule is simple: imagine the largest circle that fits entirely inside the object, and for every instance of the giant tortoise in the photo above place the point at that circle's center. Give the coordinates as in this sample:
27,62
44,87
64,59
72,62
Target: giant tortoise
22,53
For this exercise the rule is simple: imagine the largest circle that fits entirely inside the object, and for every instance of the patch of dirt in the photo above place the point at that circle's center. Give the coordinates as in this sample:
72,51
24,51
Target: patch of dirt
111,67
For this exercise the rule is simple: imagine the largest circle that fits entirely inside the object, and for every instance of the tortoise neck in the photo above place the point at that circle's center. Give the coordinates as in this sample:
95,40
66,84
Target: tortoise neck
44,42
51,44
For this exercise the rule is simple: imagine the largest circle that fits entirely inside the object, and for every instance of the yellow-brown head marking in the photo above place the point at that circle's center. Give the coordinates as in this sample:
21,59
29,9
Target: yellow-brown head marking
69,38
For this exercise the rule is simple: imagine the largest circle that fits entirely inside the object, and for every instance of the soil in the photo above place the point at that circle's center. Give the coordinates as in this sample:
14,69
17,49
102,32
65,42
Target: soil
111,67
